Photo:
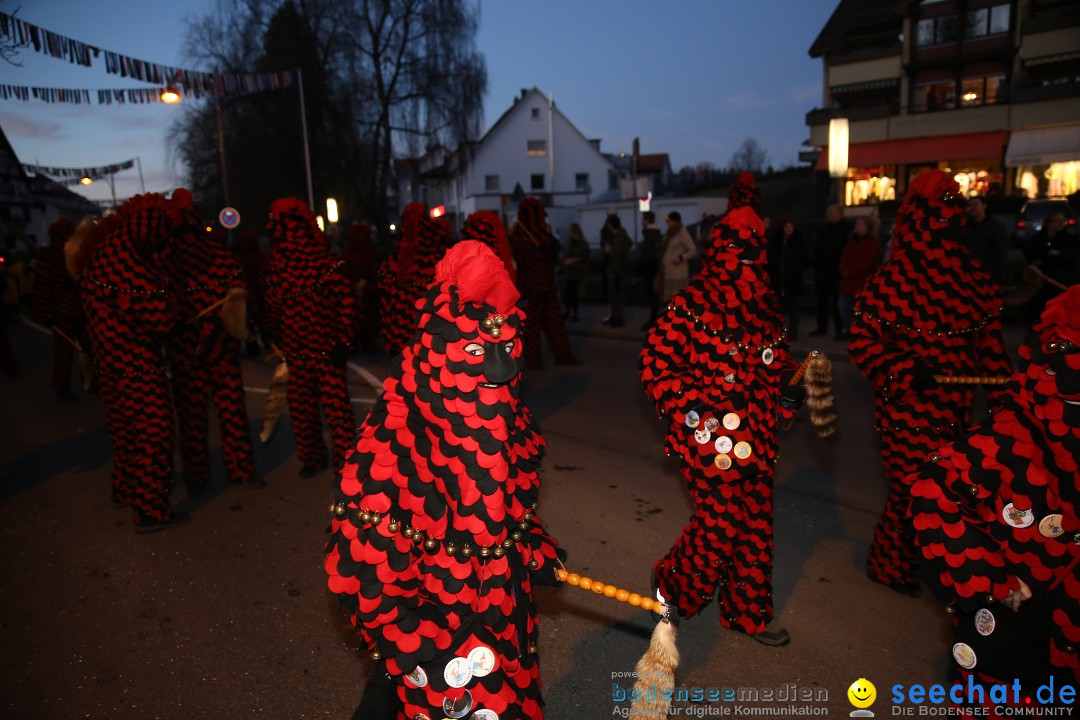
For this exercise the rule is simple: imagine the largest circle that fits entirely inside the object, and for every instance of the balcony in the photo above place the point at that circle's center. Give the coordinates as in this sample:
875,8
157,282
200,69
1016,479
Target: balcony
870,112
1039,93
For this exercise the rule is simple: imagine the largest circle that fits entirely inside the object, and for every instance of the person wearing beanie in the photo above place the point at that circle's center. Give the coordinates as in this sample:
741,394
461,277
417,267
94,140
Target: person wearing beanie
717,367
203,356
310,316
536,257
57,305
435,543
997,515
929,310
121,268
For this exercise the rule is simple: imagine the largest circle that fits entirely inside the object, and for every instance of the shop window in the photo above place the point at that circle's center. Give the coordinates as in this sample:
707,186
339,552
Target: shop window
870,186
581,182
491,183
976,182
931,97
536,147
536,181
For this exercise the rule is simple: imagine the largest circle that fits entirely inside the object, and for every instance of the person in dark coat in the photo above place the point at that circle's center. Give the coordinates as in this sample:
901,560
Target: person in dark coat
827,248
787,263
58,306
652,243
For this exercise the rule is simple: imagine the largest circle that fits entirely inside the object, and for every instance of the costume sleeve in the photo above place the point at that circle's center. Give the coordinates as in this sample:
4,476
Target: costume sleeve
543,550
664,370
951,515
343,298
991,358
376,575
874,351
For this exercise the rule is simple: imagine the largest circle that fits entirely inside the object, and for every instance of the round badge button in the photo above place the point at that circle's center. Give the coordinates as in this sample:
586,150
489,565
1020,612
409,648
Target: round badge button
458,672
767,356
1050,526
417,678
481,660
964,655
985,622
723,444
702,435
458,707
692,419
485,714
722,461
1016,517
732,421
743,450
712,424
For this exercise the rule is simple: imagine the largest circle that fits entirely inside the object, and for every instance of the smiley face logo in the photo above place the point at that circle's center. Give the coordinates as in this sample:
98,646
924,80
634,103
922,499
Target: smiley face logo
862,693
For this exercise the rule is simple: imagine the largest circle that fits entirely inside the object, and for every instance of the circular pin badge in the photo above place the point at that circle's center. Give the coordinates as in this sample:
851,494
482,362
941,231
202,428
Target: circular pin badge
458,707
731,421
417,678
229,218
458,672
712,424
743,450
985,622
964,655
1050,526
1016,517
722,461
481,660
692,419
421,716
767,356
702,435
723,444
485,714
729,378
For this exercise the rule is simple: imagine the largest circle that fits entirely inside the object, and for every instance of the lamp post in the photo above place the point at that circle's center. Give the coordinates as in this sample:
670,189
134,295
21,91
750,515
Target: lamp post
838,154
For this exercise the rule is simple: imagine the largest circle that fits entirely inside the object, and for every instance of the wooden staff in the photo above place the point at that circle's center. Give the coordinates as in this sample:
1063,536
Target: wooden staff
207,310
85,365
655,670
814,355
1047,279
970,380
74,343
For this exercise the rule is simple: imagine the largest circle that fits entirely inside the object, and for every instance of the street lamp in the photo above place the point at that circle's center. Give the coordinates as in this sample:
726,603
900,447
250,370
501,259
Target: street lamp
320,223
838,155
170,95
86,180
331,210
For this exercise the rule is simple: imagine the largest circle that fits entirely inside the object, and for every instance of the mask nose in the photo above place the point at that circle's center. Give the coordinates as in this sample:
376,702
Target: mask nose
499,367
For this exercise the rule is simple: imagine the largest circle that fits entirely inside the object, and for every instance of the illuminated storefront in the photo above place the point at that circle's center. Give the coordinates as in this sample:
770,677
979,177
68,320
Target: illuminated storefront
1047,161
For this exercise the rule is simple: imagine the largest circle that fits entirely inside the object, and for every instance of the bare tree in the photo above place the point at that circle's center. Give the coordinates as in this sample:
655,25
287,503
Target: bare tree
749,156
9,50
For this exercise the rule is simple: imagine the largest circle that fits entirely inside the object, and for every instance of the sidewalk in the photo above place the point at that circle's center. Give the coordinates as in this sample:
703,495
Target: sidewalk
591,314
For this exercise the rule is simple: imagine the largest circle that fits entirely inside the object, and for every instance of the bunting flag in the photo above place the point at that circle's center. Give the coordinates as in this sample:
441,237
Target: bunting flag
81,96
74,175
192,82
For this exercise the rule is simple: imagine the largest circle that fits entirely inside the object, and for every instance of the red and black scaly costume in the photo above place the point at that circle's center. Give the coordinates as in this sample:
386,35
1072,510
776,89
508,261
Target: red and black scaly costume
58,305
744,193
487,227
929,309
1002,505
205,360
435,546
362,267
406,274
129,314
719,352
310,313
534,252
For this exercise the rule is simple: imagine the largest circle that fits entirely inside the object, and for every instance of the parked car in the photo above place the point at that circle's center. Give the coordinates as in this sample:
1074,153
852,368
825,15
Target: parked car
1034,214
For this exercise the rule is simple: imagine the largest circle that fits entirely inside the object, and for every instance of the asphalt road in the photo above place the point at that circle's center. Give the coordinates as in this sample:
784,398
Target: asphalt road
228,616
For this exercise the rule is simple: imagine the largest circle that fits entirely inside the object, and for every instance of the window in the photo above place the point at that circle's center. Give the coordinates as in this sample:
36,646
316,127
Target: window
981,90
491,183
924,32
930,97
945,29
536,147
581,181
999,19
536,113
536,181
612,180
987,21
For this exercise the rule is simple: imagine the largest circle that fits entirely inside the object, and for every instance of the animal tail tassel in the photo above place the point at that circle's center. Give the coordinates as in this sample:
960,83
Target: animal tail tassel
819,394
656,668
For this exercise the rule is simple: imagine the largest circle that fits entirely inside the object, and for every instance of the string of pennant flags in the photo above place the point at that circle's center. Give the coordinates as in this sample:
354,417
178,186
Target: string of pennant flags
72,176
194,83
81,96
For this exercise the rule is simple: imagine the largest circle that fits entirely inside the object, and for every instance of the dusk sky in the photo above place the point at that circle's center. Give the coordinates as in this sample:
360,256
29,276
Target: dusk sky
692,78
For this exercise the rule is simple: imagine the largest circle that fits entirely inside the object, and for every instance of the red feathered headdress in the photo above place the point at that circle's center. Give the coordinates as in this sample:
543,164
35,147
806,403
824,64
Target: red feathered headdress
479,276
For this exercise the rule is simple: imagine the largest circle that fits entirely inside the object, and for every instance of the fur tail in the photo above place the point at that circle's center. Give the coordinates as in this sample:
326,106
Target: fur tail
656,674
819,398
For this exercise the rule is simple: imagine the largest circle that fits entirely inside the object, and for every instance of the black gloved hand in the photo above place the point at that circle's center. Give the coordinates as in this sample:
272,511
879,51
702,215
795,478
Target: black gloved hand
339,355
922,378
791,396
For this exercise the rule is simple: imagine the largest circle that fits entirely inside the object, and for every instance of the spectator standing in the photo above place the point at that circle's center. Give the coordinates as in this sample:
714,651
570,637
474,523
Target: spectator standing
987,239
675,256
617,266
859,259
575,266
1053,251
827,248
787,259
652,242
